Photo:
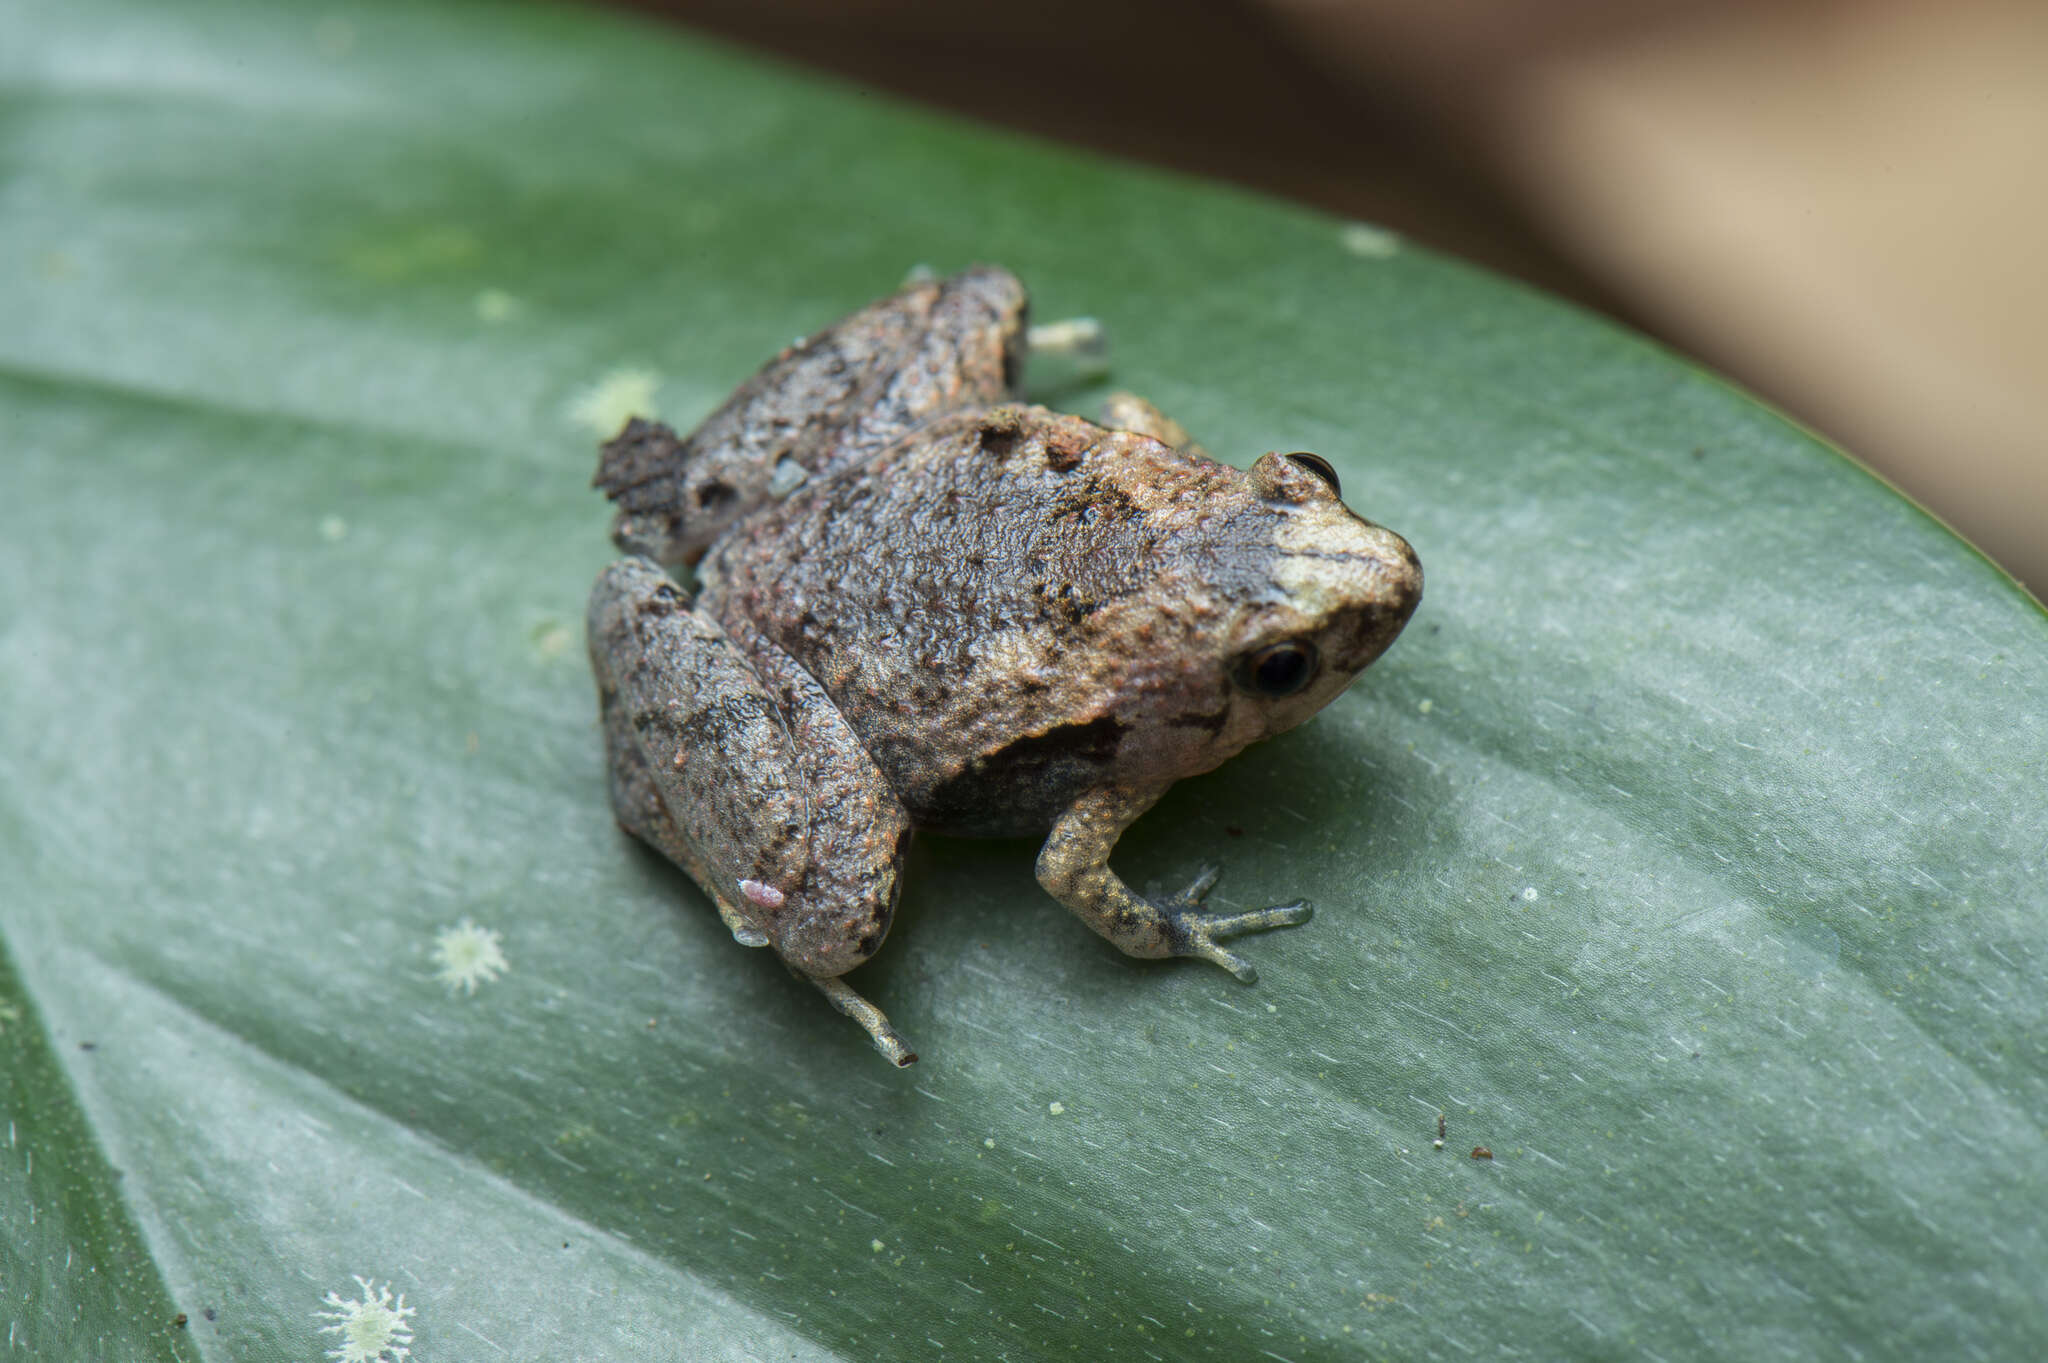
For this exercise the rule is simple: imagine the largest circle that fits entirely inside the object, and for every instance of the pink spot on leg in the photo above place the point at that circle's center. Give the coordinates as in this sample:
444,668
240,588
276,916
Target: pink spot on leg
760,895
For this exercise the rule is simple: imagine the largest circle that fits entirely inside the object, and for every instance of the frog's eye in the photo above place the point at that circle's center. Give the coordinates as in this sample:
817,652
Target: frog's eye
1277,669
1319,466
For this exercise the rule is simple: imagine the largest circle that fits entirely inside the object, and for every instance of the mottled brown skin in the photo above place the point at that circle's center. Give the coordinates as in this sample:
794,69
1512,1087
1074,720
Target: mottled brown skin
1059,608
924,604
817,407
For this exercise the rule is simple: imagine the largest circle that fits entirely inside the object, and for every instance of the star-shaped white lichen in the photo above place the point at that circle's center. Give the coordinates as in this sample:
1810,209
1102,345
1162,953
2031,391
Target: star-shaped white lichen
604,406
466,956
372,1327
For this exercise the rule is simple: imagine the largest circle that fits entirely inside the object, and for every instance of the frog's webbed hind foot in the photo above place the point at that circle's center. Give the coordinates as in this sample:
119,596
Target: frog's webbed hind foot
893,1047
1191,932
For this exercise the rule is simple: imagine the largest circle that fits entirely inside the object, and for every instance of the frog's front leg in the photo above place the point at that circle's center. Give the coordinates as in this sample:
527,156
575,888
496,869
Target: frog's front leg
729,759
1073,867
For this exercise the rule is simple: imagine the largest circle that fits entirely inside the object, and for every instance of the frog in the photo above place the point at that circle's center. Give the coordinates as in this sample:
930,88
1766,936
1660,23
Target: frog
919,602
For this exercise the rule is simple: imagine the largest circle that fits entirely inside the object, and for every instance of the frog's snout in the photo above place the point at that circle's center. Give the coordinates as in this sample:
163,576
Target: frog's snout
1358,582
1401,571
1395,592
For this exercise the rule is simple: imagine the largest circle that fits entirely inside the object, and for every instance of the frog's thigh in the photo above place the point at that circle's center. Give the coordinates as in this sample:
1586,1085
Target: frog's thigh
859,830
701,765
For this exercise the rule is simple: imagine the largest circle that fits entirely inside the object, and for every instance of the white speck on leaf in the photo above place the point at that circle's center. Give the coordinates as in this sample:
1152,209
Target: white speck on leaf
373,1328
877,1246
8,1013
466,956
1529,894
551,639
1374,243
495,305
603,407
1055,1107
333,529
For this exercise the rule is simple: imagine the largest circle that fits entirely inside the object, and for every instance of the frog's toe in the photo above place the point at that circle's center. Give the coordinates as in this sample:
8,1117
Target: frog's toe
1259,920
1201,934
1229,960
887,1039
1204,881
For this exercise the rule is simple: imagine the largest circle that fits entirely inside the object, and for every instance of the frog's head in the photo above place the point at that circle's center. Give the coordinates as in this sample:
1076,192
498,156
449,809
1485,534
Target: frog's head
1338,590
1273,596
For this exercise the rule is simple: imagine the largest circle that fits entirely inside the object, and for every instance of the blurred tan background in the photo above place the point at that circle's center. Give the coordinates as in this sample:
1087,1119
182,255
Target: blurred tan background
1842,204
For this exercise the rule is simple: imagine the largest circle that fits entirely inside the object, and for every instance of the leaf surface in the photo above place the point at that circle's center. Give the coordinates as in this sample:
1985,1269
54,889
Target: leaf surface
1687,852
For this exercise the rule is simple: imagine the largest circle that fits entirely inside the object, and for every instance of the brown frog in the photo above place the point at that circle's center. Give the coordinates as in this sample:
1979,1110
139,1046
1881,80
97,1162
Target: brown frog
923,603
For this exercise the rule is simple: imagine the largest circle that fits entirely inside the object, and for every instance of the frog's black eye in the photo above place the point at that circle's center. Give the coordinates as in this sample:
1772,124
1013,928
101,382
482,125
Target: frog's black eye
1319,466
1277,669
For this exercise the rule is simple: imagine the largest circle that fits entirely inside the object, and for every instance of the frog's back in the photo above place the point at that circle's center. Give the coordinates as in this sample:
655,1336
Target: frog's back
825,402
987,600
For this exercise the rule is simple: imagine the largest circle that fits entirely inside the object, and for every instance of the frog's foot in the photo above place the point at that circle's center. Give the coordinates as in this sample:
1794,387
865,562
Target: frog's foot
892,1046
1123,411
1073,866
1084,338
1190,932
1063,355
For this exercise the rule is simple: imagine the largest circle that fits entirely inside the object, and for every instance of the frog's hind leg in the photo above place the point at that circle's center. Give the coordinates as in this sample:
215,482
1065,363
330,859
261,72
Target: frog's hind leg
729,759
697,752
1123,411
641,810
859,830
859,834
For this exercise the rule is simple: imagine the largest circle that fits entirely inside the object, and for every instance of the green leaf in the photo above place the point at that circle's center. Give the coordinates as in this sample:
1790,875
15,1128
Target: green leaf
1688,852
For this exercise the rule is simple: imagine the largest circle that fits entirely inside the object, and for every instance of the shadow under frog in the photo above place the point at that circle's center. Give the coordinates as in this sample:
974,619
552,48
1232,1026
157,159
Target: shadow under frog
925,604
